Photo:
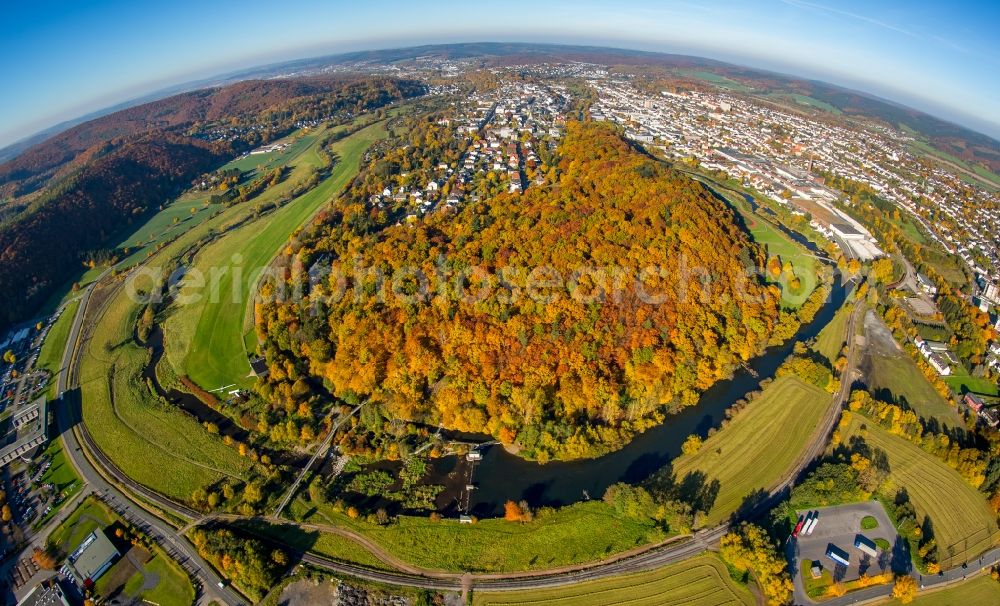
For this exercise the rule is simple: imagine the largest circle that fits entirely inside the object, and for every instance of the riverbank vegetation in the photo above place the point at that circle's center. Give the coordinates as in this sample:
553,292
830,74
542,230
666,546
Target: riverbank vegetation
583,532
150,440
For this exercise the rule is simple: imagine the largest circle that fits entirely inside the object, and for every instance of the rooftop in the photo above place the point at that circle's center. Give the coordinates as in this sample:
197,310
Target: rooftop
46,593
93,556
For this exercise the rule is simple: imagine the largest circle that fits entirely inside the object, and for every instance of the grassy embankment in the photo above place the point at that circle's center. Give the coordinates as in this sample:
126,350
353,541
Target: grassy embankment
964,526
51,354
759,445
172,586
61,475
153,442
206,338
698,581
898,374
583,532
831,340
327,544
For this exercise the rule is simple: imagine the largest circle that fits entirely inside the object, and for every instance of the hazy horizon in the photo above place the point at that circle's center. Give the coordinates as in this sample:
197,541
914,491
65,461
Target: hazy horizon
908,54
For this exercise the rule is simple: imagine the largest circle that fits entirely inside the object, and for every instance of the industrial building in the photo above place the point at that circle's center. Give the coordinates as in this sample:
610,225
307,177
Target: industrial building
92,558
46,593
24,431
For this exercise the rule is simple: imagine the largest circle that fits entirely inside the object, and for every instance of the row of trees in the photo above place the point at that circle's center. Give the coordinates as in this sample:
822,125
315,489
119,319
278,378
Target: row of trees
958,451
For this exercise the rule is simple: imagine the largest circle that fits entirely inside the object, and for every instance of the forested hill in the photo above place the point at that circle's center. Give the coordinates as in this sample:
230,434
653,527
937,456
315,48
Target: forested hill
41,250
303,97
138,160
568,377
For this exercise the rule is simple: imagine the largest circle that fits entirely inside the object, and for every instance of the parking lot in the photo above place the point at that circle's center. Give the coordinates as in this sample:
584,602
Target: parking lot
839,526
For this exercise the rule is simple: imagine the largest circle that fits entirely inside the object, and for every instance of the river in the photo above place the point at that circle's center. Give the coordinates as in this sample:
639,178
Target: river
500,476
204,413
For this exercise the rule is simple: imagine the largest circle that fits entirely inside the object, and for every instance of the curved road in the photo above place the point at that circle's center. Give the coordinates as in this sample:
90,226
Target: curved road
69,426
78,440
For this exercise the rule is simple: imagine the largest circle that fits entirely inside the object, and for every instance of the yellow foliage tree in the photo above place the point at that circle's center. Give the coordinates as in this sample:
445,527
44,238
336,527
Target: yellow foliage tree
905,589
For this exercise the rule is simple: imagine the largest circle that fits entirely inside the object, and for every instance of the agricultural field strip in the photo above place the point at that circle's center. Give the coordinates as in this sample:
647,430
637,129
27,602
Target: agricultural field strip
956,509
756,447
217,353
697,581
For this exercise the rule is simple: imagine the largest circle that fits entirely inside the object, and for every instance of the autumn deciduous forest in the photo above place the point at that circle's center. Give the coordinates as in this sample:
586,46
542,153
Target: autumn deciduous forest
561,377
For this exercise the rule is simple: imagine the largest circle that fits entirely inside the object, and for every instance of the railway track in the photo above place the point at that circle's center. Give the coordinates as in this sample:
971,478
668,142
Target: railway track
653,557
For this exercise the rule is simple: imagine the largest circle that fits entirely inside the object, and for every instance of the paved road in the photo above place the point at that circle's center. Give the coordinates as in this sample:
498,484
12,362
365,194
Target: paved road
69,426
73,432
955,575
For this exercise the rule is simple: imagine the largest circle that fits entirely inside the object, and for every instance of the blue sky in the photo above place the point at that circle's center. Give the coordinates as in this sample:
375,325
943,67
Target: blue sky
61,59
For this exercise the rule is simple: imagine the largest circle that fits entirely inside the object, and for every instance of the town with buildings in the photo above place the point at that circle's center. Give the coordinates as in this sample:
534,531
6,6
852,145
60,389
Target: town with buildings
503,140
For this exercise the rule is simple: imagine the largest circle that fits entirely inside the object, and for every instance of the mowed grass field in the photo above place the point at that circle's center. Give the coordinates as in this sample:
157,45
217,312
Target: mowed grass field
961,382
85,519
964,526
150,440
698,581
583,532
781,246
206,337
777,244
832,338
758,446
299,142
898,374
173,588
980,591
50,356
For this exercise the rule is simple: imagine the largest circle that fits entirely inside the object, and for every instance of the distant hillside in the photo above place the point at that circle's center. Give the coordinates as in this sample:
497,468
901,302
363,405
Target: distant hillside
39,251
31,170
91,182
954,139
